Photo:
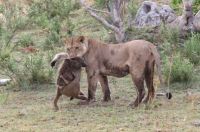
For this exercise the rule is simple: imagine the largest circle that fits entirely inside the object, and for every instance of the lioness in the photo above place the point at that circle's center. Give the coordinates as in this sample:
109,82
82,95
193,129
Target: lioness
68,79
136,57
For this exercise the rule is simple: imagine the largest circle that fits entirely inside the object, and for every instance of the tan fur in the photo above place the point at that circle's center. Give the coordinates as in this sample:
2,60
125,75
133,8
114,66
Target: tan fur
136,57
68,80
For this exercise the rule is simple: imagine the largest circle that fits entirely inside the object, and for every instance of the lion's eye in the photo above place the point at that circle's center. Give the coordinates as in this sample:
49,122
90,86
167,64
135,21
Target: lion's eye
76,48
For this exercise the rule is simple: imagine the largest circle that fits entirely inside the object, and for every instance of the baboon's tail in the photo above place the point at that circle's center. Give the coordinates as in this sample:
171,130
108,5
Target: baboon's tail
158,65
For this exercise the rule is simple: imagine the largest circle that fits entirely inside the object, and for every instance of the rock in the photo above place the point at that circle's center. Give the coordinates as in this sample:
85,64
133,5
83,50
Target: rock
196,21
184,23
196,123
3,82
152,14
167,13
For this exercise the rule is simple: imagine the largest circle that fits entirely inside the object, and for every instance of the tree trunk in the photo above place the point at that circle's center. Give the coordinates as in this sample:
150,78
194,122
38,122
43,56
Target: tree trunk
115,10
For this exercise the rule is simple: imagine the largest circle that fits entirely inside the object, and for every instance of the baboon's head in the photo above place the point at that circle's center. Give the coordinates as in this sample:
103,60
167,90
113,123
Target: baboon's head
76,46
58,58
77,63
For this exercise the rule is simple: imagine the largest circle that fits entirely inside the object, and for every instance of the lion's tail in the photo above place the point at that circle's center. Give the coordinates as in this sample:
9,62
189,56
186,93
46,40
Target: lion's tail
158,65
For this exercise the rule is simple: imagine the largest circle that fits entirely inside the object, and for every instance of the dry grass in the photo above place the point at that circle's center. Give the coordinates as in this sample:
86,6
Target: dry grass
33,111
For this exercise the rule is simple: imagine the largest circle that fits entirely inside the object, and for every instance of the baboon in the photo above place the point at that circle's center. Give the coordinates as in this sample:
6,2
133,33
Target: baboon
68,79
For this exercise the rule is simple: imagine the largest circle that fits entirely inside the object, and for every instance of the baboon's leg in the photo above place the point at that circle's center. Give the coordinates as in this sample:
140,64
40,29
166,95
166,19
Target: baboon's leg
138,79
81,93
92,85
82,97
71,98
105,88
58,94
149,82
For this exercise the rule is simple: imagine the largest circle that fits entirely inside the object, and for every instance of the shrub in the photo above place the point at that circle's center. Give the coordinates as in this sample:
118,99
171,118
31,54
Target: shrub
42,20
196,6
132,8
52,39
44,12
170,40
181,70
51,15
3,97
25,41
37,70
30,70
1,8
170,35
145,33
176,5
192,48
100,3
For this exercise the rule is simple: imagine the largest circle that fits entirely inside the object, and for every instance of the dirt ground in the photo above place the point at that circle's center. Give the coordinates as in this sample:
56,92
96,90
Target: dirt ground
32,111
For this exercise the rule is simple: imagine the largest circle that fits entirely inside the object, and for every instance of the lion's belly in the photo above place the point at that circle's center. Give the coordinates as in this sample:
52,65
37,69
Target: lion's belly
115,71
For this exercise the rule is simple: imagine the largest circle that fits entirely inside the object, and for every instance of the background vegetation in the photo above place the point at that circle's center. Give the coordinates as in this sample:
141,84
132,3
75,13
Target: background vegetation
33,33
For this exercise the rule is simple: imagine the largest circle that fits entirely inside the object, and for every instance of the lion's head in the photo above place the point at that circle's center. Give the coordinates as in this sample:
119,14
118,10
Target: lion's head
76,46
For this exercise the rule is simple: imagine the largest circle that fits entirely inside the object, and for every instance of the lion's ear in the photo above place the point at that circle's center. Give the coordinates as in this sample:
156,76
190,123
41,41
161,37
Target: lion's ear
81,39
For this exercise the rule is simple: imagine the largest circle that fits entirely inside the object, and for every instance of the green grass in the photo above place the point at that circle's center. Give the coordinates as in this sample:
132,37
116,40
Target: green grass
33,111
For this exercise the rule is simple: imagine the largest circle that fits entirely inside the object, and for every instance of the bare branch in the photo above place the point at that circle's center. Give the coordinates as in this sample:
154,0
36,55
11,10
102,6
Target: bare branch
97,17
105,12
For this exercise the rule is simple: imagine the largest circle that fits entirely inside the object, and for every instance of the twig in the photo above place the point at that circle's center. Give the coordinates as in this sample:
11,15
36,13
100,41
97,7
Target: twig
105,12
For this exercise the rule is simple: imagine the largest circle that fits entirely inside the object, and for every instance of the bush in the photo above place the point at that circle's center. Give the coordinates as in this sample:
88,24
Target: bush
25,41
52,39
1,8
25,70
192,48
196,6
52,15
181,70
176,5
170,40
37,70
3,97
30,70
43,12
100,3
170,35
145,33
132,8
42,20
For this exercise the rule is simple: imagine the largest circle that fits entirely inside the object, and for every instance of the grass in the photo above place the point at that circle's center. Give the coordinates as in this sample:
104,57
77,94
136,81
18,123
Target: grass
33,111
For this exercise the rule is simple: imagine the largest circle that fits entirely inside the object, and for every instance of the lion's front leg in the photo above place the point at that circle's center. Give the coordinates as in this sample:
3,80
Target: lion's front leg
105,88
92,85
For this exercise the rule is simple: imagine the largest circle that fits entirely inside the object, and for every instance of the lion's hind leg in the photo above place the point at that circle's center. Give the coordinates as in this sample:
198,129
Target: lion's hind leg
149,74
138,79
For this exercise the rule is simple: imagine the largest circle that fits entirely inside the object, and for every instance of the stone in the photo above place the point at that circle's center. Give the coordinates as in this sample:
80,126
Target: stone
152,14
3,82
196,21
